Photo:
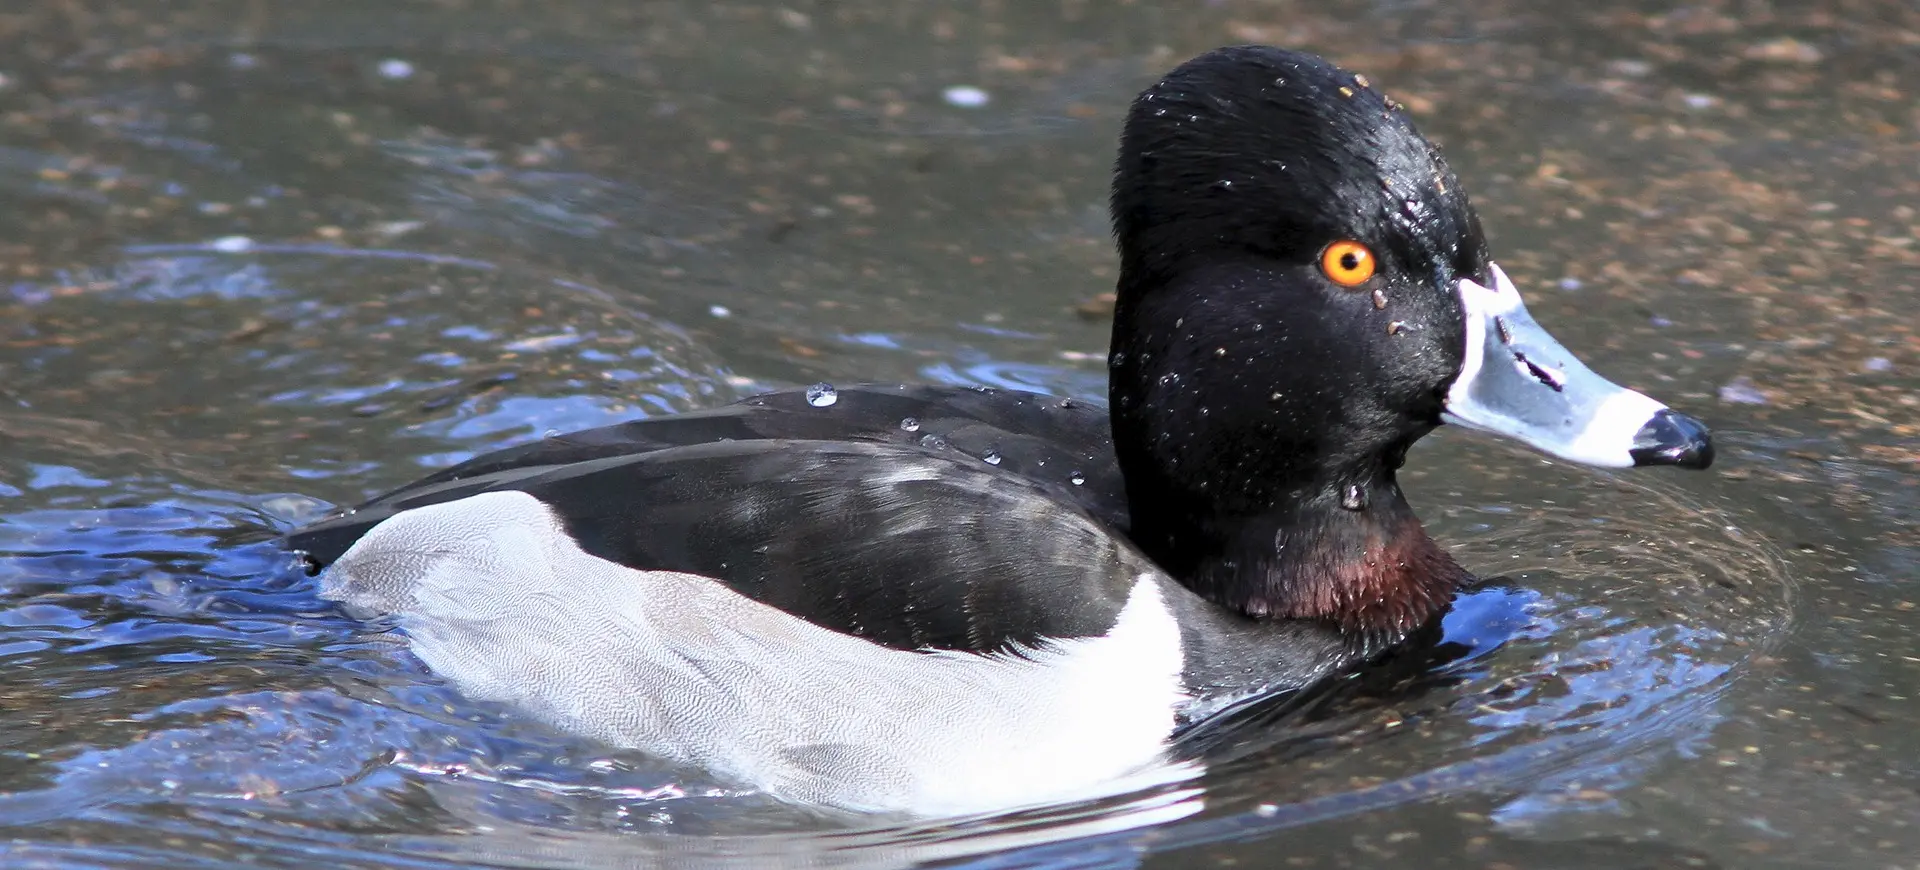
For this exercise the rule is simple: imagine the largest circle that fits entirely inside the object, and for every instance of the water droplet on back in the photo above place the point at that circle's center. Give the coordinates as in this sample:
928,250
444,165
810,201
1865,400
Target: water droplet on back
933,442
909,424
822,395
991,457
550,433
1077,479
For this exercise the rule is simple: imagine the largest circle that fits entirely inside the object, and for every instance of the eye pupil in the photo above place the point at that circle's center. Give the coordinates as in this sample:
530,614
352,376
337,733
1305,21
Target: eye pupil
1350,261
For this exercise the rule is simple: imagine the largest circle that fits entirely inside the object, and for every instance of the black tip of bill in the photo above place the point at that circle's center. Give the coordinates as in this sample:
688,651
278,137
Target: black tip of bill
1673,439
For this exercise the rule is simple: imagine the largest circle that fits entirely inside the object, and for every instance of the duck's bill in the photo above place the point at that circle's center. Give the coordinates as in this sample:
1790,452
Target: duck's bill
1518,382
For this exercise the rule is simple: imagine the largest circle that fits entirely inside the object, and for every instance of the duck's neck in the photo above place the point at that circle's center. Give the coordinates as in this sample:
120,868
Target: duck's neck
1352,554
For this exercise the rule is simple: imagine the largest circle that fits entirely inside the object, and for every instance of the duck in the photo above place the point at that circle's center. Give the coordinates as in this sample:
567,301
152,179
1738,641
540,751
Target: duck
936,600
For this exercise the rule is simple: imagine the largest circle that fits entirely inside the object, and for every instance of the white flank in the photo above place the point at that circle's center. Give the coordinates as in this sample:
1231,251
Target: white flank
499,601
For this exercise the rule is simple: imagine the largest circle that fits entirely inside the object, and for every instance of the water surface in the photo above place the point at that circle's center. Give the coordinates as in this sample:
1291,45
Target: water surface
260,259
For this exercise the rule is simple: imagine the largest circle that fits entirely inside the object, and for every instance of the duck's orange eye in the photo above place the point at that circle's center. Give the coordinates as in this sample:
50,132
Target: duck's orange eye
1347,262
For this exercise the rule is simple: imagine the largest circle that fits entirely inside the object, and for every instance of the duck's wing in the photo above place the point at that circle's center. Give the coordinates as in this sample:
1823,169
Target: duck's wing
1063,445
872,626
899,545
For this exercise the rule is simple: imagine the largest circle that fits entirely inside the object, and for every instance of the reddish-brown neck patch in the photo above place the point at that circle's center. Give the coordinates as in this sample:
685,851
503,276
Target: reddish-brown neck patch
1389,584
1372,571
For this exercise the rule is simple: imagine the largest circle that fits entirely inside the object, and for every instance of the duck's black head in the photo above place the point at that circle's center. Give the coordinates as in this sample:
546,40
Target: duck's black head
1305,290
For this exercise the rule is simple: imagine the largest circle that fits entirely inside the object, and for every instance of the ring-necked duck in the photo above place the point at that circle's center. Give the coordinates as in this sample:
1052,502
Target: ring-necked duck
937,599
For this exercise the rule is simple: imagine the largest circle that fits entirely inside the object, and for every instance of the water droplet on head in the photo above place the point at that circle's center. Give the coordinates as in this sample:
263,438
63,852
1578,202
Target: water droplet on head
933,442
822,395
1068,403
909,424
550,433
1170,379
991,457
1077,479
